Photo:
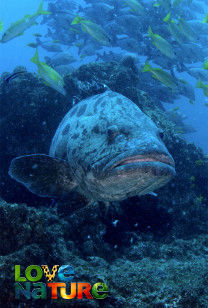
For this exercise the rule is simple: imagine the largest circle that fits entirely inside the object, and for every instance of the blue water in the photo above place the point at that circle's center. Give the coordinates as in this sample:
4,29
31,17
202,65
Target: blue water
151,249
15,53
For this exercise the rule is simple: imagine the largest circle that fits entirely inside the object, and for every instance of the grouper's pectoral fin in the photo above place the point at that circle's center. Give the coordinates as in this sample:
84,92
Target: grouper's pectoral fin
43,175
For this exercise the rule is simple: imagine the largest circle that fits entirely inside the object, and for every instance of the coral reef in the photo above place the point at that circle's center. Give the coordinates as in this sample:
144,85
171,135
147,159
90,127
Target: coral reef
151,251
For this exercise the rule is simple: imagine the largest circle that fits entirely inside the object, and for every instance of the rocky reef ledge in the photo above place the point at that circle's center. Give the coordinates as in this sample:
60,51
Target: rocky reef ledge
151,251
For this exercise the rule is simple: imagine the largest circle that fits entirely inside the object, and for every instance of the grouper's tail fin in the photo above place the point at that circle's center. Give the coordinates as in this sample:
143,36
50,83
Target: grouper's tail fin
43,175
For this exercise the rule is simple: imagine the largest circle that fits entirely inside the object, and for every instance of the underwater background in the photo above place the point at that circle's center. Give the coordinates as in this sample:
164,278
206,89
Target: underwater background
150,250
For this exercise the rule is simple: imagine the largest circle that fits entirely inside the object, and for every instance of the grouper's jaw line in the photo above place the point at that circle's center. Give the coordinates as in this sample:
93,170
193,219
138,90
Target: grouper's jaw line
132,178
129,173
135,174
161,158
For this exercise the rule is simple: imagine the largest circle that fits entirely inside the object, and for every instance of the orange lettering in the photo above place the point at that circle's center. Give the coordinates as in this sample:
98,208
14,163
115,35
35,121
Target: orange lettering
73,292
54,286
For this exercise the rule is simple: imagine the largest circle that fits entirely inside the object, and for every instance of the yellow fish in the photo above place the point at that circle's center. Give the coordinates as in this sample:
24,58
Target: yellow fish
160,75
205,65
161,44
93,29
186,29
165,4
135,6
174,30
205,19
49,75
18,28
202,86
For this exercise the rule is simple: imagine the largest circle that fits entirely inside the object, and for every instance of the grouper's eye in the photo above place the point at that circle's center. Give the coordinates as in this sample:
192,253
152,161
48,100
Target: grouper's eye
112,133
115,134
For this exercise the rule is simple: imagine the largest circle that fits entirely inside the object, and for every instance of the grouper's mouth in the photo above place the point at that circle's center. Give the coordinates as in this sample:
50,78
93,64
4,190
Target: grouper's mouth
144,158
136,162
132,173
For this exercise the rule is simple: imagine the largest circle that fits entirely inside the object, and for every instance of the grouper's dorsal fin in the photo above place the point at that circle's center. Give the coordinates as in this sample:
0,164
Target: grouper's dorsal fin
42,174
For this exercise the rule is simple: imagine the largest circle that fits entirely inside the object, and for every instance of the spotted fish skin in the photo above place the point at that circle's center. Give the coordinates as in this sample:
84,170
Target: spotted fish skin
105,148
112,148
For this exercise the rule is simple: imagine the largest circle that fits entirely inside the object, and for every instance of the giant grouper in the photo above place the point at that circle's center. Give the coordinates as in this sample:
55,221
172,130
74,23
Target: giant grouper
105,148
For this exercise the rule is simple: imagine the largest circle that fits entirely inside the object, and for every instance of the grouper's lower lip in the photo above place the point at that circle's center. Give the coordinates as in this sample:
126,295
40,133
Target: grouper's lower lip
127,161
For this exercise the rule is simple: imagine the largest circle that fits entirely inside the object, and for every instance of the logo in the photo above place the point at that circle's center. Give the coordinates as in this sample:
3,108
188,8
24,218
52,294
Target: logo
31,286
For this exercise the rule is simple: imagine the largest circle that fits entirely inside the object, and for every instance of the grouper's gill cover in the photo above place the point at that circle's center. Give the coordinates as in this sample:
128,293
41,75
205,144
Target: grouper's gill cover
106,148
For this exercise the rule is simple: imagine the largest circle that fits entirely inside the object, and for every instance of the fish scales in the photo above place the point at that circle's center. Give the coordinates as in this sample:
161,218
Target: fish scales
112,150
